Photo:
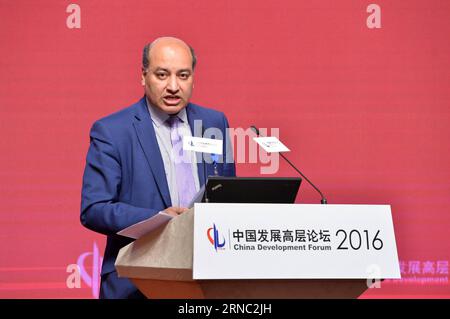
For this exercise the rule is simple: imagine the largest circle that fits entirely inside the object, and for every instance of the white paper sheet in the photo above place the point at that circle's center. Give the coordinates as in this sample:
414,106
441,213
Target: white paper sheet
144,227
271,144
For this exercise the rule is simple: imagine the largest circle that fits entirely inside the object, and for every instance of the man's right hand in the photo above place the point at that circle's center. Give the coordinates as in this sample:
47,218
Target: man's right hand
175,211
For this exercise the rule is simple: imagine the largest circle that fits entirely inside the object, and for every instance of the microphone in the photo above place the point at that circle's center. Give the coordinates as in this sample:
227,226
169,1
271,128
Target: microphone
323,200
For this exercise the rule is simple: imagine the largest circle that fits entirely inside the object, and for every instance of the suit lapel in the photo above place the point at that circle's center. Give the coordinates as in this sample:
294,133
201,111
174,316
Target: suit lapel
147,138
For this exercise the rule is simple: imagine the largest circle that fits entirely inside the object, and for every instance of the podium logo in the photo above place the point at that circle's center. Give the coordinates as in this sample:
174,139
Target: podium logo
214,238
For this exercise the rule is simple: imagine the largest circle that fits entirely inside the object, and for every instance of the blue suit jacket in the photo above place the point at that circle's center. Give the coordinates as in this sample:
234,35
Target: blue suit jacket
124,180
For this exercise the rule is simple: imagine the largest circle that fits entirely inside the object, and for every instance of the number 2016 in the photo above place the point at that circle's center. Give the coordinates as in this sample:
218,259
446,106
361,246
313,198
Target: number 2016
356,240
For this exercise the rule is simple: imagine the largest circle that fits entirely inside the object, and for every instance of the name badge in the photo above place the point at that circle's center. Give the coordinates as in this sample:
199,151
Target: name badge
202,145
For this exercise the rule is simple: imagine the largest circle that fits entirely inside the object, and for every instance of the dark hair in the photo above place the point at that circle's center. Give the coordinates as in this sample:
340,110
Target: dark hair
146,58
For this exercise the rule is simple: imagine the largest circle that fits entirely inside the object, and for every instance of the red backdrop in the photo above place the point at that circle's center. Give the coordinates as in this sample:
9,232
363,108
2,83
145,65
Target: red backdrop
364,111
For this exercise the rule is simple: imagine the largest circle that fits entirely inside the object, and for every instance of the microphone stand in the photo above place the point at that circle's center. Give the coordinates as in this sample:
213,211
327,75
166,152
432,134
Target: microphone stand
323,200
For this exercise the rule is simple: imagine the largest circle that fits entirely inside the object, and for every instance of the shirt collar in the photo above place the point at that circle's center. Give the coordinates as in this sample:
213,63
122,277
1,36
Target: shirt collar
159,117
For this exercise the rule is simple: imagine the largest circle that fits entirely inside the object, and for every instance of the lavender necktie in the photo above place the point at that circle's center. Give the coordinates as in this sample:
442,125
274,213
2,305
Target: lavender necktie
183,166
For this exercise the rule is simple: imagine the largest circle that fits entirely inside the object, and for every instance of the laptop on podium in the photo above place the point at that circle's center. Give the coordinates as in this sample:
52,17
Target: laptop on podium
280,190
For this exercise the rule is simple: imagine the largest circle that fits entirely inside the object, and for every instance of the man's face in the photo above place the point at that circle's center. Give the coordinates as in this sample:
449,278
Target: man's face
169,79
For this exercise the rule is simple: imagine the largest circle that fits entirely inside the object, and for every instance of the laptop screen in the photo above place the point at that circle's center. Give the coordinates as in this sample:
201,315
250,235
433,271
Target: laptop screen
281,190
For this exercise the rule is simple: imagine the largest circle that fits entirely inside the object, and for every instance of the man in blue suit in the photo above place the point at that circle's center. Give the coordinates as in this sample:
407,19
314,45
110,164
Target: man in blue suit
132,170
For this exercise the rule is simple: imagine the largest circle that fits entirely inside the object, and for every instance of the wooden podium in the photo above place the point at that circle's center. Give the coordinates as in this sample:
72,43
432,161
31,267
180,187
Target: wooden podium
160,265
